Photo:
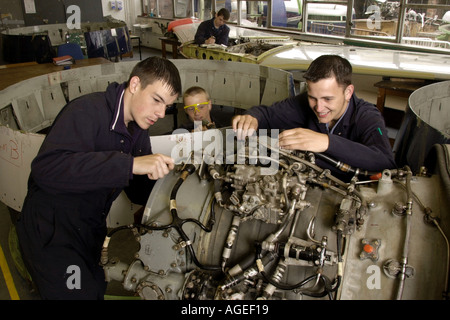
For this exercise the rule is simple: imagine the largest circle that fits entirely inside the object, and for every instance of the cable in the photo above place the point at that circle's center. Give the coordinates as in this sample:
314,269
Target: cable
328,287
177,223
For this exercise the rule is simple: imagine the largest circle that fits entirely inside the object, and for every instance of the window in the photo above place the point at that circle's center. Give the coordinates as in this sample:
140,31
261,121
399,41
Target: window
427,23
165,9
255,14
421,24
183,8
203,9
149,7
158,8
232,6
327,18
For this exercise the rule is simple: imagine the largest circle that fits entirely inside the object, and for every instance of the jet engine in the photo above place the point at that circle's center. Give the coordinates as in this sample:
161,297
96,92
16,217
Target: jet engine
239,230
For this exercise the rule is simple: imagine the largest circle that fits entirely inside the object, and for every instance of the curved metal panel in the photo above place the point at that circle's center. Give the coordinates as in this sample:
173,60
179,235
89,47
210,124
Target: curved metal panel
426,123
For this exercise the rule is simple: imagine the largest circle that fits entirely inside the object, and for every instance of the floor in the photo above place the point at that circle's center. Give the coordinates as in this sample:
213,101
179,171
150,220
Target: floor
13,286
13,283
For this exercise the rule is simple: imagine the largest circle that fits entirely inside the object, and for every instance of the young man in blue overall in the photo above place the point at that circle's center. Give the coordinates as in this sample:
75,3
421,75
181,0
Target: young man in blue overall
328,118
97,146
215,30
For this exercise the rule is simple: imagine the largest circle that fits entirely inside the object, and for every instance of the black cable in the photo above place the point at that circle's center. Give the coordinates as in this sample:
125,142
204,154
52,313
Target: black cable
276,284
328,286
338,279
177,222
113,231
284,286
326,291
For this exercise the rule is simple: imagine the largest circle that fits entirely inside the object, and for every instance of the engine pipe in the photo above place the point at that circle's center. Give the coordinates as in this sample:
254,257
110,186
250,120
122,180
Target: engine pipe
299,252
345,167
404,260
325,172
276,278
295,195
232,233
327,288
235,278
430,219
306,253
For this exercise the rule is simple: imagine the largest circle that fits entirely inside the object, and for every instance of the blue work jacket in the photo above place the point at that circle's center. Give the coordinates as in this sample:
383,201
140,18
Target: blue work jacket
359,139
87,156
82,166
206,29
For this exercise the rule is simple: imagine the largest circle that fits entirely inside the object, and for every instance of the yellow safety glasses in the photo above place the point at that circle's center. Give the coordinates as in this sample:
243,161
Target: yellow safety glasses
196,107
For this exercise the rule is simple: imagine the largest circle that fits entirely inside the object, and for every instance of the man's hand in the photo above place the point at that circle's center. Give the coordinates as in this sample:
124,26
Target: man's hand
210,40
155,166
303,139
244,126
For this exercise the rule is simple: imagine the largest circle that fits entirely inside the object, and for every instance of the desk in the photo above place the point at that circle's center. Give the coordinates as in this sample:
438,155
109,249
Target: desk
20,64
174,42
10,76
399,88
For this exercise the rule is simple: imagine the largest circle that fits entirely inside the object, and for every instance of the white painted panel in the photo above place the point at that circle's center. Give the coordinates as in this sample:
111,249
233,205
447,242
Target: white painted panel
16,153
53,101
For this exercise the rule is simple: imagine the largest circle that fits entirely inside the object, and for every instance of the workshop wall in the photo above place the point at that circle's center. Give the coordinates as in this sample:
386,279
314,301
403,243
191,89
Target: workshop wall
37,12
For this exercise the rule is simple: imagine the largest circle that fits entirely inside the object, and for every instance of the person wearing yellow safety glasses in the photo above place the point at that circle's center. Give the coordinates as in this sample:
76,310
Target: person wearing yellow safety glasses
197,106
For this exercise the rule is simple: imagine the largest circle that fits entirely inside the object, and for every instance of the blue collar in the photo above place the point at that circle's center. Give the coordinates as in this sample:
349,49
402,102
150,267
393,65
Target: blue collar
339,120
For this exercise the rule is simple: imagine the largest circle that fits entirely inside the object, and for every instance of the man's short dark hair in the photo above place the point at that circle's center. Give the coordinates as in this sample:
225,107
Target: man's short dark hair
156,68
328,66
224,13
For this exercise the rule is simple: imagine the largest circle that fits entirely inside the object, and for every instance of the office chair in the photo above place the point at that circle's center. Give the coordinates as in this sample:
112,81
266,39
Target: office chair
71,49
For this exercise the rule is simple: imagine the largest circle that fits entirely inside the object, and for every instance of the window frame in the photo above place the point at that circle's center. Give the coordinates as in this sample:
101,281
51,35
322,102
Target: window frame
349,38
